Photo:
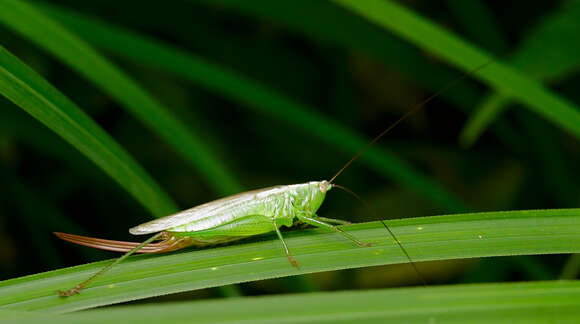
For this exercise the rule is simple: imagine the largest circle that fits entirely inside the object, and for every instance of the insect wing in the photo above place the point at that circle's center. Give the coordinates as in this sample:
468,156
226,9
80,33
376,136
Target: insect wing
196,213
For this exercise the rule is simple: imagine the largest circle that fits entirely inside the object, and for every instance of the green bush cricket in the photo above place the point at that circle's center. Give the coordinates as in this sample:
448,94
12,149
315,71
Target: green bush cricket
243,215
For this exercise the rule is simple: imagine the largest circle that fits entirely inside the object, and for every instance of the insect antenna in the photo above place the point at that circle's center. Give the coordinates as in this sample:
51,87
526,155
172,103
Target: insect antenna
380,219
411,112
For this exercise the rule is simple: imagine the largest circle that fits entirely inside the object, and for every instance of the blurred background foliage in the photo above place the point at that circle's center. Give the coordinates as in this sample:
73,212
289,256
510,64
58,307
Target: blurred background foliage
308,65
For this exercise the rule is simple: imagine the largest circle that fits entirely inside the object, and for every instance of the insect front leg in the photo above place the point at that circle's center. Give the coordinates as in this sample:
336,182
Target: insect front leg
318,222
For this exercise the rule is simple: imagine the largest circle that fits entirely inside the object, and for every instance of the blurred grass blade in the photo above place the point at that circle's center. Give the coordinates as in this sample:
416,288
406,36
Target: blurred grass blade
58,41
253,95
571,269
36,96
490,108
329,24
531,302
449,47
428,238
49,144
549,53
31,226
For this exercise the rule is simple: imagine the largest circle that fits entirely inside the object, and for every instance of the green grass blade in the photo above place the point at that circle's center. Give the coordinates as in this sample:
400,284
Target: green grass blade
428,238
488,110
253,95
502,77
49,144
36,96
7,316
549,53
32,227
532,302
571,269
58,41
330,25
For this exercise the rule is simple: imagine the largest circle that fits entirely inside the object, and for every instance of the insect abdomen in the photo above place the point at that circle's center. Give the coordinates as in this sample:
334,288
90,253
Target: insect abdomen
239,228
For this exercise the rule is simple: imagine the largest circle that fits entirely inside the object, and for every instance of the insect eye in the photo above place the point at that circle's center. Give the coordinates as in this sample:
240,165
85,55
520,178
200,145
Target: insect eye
322,187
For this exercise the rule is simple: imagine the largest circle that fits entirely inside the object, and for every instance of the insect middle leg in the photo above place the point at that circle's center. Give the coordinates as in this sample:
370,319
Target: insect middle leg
318,222
288,255
240,227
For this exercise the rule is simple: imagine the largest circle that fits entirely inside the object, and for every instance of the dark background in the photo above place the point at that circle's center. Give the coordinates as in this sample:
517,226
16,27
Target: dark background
522,162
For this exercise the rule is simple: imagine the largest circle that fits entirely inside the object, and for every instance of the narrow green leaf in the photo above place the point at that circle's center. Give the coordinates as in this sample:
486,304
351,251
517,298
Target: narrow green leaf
487,111
8,316
502,77
550,52
36,96
571,269
329,24
428,238
32,227
532,302
253,95
48,143
58,41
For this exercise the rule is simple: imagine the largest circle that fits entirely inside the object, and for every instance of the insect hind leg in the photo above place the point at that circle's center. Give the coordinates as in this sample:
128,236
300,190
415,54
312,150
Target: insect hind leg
320,222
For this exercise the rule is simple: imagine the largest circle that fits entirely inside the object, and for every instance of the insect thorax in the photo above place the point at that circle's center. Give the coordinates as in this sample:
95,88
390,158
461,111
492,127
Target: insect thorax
304,198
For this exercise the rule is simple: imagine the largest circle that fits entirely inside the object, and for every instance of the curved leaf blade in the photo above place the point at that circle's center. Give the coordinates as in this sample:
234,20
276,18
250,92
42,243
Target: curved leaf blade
329,24
36,96
427,238
484,114
531,302
67,47
463,55
550,52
